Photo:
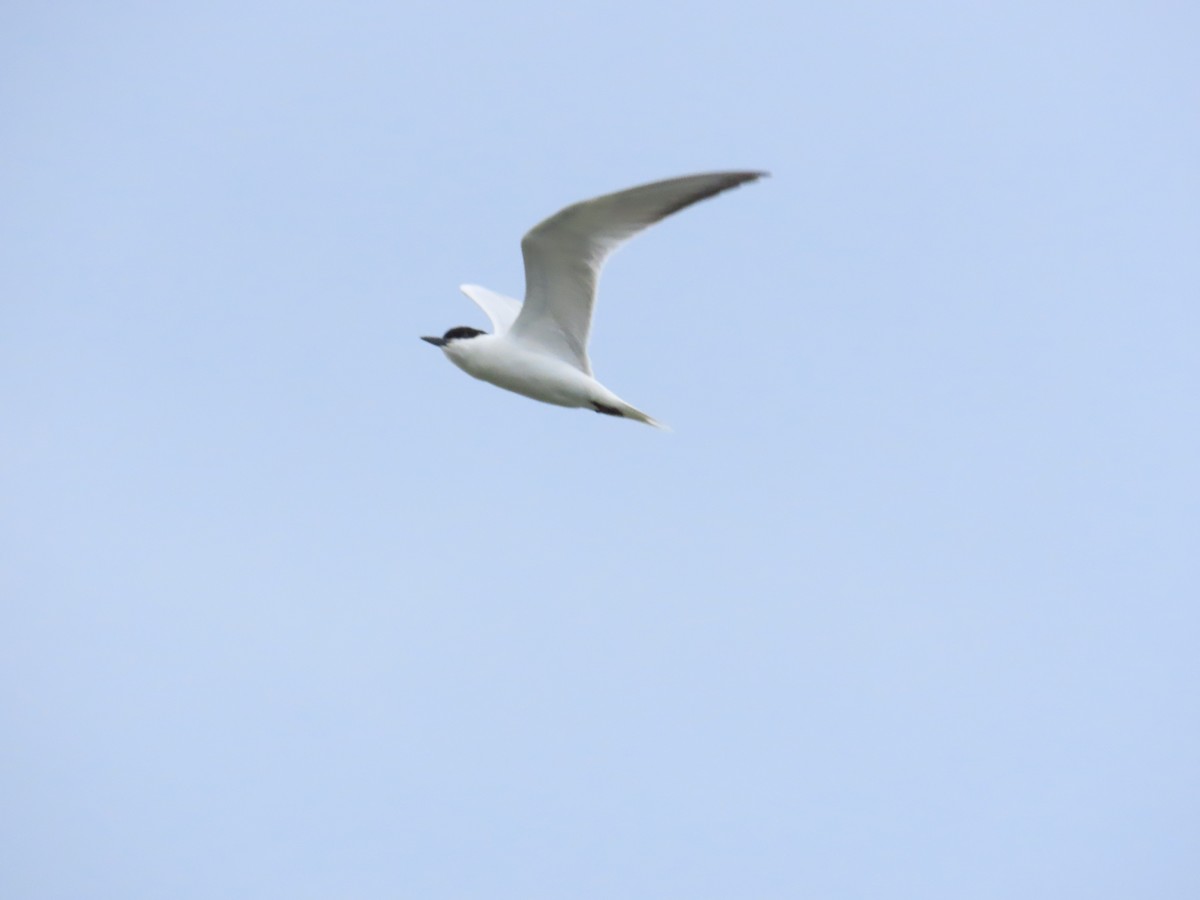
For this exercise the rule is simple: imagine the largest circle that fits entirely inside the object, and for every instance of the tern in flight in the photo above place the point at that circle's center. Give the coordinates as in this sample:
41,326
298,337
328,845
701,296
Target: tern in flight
539,348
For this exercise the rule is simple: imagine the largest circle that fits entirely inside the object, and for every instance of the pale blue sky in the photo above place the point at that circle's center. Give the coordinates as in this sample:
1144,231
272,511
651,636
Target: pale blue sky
905,607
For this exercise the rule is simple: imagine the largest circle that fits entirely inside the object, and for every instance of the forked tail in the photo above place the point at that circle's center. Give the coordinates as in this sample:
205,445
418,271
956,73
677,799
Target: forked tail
625,411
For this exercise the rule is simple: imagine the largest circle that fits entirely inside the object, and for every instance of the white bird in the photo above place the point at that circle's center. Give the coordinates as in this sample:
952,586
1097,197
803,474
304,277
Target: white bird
539,348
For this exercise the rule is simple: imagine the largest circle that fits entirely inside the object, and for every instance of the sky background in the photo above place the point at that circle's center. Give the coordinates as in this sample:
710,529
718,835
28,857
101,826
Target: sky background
906,606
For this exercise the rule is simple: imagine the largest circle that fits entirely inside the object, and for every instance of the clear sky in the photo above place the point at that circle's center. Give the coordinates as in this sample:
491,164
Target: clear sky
906,606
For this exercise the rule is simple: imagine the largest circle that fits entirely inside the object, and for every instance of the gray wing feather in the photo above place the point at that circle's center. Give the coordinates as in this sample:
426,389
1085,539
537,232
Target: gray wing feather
565,253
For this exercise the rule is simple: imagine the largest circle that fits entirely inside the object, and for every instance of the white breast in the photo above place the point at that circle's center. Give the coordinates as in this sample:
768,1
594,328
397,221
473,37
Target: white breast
506,364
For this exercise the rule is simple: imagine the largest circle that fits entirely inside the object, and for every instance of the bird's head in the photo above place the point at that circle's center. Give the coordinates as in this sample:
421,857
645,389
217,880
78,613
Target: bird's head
458,333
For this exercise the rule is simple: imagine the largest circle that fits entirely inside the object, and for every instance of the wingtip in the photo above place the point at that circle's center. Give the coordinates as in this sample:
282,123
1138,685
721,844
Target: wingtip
753,175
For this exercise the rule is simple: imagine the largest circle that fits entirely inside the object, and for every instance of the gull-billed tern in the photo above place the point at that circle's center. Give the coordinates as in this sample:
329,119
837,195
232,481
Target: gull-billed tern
539,348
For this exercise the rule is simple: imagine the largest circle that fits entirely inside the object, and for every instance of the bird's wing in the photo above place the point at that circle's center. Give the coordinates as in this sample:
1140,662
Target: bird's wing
564,255
503,311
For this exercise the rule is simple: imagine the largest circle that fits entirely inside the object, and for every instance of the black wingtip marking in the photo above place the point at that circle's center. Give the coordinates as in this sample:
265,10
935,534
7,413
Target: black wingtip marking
731,180
607,410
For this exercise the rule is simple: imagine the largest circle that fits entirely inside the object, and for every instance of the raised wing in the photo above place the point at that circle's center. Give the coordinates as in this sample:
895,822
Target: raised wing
565,253
503,311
